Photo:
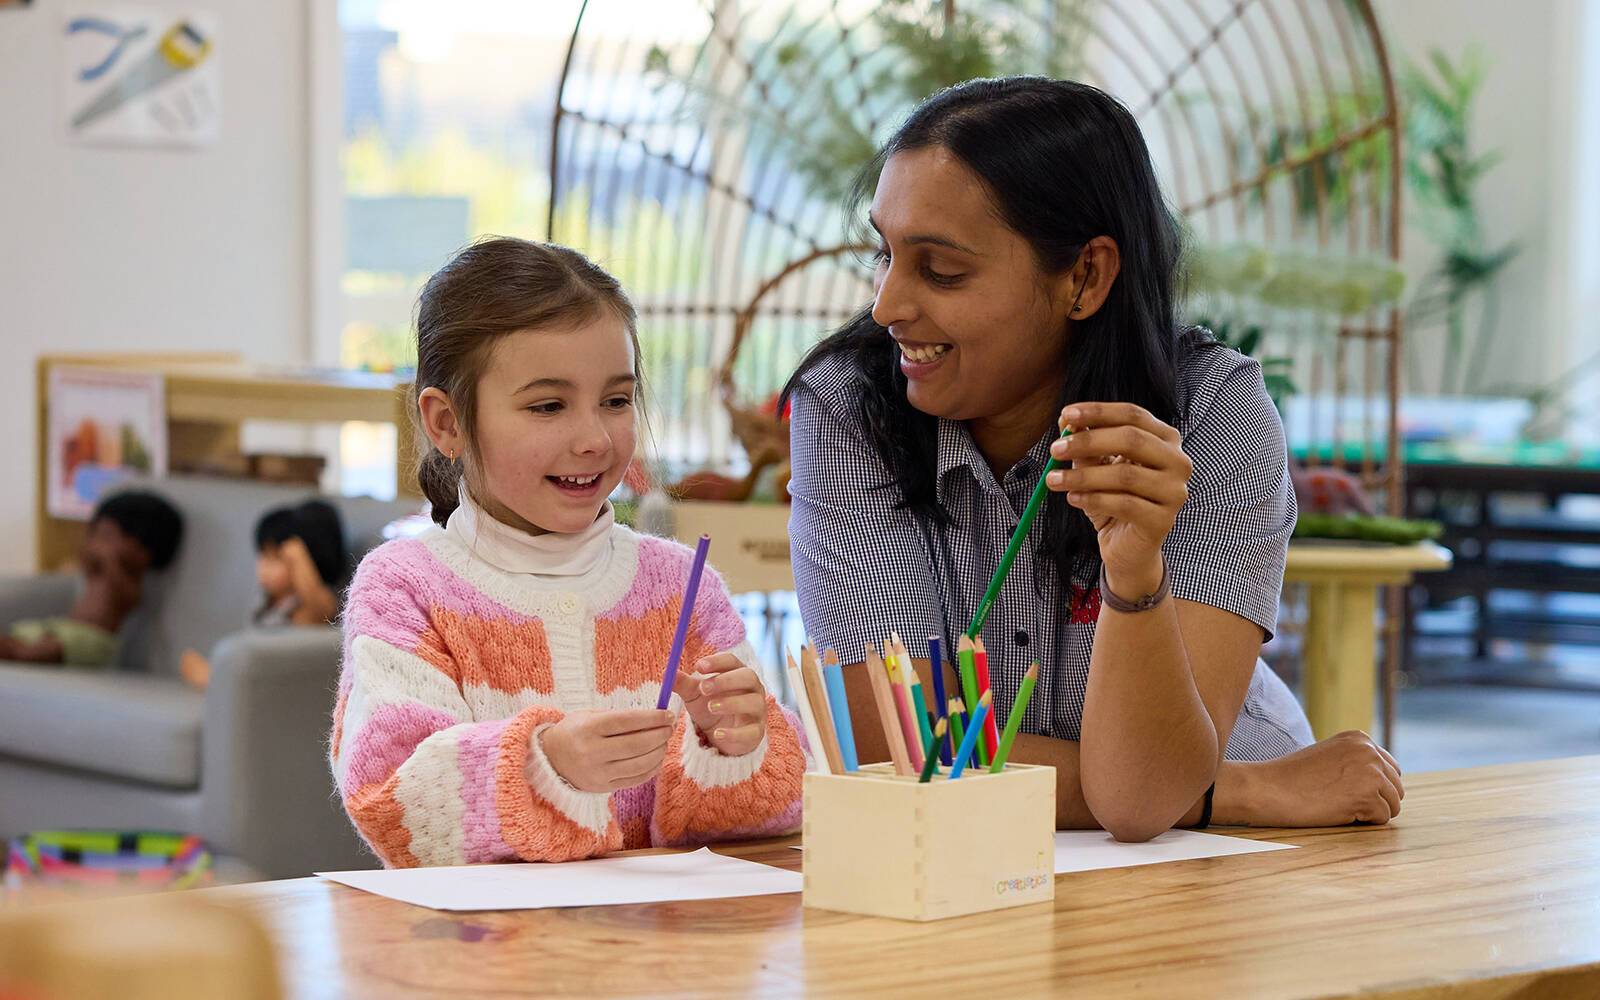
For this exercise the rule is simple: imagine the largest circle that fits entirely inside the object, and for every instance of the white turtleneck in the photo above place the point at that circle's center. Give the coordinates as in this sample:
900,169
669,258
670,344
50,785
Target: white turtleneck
585,554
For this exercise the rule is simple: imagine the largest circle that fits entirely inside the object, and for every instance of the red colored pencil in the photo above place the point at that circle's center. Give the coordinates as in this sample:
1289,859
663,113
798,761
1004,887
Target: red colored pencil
991,732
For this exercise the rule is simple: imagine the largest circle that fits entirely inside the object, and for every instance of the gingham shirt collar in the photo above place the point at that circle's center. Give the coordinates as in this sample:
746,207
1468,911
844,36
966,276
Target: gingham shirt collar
957,450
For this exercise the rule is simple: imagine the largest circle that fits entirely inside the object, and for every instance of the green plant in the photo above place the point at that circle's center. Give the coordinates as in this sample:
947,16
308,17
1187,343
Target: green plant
1442,173
828,109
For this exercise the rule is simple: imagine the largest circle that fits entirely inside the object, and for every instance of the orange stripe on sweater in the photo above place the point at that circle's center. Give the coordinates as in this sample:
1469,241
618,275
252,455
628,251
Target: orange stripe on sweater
685,812
381,819
630,651
539,834
503,655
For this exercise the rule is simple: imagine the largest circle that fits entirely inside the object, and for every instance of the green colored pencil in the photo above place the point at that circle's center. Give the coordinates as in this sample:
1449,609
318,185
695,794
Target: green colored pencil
1028,514
956,710
967,668
1014,720
931,766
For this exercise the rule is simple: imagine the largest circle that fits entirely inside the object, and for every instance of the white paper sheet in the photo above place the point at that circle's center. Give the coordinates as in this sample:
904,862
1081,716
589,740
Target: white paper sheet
1089,850
647,878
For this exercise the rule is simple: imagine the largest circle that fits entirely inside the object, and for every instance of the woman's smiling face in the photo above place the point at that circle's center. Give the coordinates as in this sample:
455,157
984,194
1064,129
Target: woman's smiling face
980,328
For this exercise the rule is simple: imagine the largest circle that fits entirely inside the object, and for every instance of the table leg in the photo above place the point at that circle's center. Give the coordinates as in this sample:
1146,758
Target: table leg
1341,657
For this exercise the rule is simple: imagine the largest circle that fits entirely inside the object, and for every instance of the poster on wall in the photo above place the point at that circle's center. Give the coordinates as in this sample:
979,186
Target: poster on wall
141,77
105,426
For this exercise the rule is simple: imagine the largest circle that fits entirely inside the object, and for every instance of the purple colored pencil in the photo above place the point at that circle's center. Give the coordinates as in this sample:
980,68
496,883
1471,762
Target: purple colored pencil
681,636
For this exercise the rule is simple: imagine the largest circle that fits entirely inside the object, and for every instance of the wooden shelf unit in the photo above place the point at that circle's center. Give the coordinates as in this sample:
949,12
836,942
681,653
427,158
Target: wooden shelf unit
208,397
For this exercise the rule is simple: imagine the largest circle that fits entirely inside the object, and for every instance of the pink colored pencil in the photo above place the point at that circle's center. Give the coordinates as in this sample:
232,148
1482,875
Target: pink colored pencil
908,722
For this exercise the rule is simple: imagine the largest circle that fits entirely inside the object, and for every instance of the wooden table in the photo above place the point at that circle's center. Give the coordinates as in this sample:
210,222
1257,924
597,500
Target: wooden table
1486,886
1340,676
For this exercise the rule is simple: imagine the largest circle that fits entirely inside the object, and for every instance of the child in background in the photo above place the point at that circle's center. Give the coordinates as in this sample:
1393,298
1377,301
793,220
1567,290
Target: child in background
128,536
300,558
497,699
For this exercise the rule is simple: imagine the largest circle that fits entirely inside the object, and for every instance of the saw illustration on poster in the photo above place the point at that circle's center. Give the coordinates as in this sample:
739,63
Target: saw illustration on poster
139,77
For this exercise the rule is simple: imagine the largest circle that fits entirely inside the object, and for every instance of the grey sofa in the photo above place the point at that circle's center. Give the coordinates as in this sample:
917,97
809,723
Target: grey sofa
244,763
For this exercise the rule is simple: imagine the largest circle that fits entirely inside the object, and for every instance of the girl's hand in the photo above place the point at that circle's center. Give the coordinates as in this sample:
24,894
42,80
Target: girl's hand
727,702
1128,472
605,751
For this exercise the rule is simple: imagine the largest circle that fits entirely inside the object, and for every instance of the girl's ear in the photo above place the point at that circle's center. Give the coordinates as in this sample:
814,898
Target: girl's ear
441,423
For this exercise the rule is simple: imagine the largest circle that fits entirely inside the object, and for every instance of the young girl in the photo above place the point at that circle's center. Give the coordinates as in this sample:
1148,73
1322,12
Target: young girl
501,670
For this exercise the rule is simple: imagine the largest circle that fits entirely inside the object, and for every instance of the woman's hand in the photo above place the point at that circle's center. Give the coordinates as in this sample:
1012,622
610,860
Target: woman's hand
606,751
1128,472
727,702
1341,780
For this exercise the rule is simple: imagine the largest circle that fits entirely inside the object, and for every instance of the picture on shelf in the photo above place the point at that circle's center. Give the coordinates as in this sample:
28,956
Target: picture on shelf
104,427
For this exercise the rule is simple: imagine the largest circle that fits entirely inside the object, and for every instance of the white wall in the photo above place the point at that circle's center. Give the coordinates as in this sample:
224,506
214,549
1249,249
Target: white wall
1536,108
145,249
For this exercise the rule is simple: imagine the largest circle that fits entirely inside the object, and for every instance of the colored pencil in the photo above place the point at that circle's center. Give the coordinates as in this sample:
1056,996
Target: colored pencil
939,699
991,733
902,706
957,709
808,718
969,677
817,692
833,677
888,716
1017,537
931,766
970,741
1014,720
919,705
682,634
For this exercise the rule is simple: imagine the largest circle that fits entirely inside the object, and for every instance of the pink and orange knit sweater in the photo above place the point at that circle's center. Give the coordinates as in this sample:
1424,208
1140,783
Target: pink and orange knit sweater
453,665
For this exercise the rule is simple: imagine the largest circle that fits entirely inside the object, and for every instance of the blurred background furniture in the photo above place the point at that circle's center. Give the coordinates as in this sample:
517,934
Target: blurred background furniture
207,398
243,764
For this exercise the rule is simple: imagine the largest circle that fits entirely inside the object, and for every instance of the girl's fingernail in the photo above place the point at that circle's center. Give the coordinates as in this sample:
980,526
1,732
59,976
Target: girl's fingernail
715,708
720,735
1073,415
1058,478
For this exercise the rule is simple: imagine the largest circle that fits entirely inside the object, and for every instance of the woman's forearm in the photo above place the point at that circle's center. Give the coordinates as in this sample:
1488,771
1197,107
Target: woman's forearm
1149,748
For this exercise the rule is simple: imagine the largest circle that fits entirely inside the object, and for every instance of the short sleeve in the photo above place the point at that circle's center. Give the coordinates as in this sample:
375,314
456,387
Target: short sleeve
1228,546
860,564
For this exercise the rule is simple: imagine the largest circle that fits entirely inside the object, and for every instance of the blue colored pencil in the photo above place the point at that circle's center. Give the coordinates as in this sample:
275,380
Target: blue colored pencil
970,740
682,634
939,699
833,677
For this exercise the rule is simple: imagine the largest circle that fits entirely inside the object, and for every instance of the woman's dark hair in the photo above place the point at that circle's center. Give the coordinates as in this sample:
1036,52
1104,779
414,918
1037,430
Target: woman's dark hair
497,286
1062,163
317,525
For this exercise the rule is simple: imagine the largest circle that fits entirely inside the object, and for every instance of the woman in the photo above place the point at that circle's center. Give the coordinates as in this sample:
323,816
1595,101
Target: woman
1027,279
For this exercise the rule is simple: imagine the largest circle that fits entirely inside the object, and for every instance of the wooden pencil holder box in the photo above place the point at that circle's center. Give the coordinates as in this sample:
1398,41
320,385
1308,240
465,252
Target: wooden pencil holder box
884,845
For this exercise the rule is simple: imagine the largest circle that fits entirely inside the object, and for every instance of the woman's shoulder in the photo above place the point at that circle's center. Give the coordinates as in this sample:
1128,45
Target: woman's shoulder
1216,382
833,380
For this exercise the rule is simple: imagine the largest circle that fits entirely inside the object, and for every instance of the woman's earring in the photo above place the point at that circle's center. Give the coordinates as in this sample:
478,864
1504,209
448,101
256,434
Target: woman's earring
1077,309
